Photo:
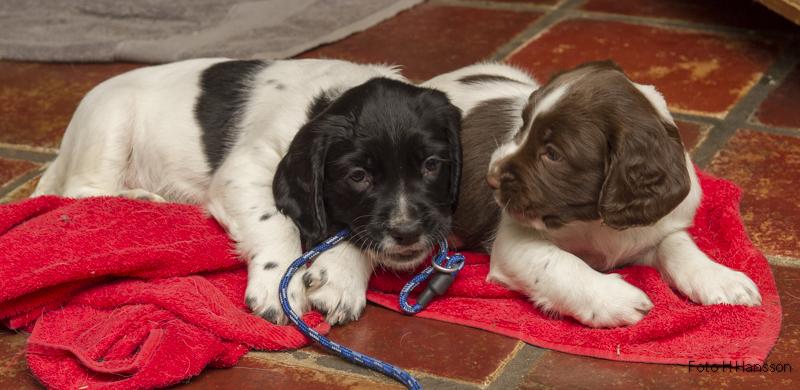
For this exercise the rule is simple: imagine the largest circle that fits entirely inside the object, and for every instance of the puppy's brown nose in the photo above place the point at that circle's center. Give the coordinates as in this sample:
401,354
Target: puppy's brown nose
494,183
406,235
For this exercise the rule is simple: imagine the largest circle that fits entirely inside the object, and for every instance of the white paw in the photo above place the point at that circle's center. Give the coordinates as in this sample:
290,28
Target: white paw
140,194
720,284
338,292
263,284
612,303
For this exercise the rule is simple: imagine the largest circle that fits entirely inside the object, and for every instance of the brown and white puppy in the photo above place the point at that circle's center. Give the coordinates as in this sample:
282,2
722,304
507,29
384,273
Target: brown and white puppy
585,174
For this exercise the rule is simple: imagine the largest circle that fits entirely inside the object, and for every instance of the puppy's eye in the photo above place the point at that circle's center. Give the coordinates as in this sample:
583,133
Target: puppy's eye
551,154
430,165
358,176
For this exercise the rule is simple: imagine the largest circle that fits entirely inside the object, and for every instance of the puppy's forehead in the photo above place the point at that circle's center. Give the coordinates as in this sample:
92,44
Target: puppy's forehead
542,103
549,101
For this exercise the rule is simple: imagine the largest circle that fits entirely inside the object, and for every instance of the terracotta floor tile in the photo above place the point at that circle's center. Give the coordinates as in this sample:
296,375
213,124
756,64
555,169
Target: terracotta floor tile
787,349
698,73
21,192
561,370
435,347
11,170
730,13
780,108
431,39
767,167
564,371
37,100
257,374
693,134
14,373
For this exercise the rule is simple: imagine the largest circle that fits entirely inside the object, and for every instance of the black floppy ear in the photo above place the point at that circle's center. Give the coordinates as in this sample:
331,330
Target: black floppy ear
646,176
453,129
298,183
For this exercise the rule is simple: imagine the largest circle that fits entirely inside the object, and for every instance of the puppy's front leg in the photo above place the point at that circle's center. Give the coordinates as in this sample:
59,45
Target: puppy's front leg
267,239
558,281
337,283
684,267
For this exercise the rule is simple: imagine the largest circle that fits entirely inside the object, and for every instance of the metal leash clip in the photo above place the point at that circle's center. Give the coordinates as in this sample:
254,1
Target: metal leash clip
439,282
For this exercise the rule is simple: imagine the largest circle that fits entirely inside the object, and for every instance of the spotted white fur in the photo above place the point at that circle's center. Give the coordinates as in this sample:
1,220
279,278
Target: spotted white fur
136,135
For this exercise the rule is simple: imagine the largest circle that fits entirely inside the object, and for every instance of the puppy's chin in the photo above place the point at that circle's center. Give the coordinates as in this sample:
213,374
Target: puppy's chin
402,258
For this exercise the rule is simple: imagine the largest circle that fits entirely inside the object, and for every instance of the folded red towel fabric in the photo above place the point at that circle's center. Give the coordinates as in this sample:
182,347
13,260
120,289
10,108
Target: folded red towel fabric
676,331
126,294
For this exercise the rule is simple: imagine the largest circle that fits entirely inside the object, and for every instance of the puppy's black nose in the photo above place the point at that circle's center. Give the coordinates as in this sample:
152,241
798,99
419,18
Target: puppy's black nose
406,235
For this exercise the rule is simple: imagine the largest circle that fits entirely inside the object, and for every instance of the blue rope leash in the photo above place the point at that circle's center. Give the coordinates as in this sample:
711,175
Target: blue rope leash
436,286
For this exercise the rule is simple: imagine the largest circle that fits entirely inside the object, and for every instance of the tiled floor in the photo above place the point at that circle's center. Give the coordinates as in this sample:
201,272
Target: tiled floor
729,69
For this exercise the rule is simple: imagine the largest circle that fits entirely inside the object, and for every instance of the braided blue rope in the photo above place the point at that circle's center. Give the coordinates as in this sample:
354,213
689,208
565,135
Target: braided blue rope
351,355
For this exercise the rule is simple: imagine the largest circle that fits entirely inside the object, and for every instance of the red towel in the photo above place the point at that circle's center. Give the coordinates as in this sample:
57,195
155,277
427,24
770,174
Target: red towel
676,331
130,294
127,294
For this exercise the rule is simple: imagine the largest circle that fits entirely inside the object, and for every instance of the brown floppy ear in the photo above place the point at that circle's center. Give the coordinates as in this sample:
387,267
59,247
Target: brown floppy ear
646,175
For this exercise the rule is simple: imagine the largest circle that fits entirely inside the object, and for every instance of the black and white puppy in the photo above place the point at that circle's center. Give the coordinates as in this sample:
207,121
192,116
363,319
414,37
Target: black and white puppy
270,147
590,174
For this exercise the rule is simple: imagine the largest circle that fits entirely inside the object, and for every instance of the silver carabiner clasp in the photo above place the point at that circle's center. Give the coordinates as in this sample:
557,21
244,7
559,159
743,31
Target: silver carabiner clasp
442,268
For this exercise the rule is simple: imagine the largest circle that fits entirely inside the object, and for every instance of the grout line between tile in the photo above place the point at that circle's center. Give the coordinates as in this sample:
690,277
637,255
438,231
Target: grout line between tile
549,19
517,367
26,155
19,182
678,24
324,363
502,366
22,147
784,261
738,116
569,9
339,366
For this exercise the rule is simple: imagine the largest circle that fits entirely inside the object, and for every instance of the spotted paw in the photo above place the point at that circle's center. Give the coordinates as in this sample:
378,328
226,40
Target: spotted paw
262,295
336,284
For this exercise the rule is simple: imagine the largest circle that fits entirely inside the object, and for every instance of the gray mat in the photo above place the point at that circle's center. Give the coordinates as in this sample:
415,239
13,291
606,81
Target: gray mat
156,31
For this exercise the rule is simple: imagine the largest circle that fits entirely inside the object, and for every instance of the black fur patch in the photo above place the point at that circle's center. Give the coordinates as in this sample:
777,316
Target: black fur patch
225,89
484,78
320,103
271,315
307,279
